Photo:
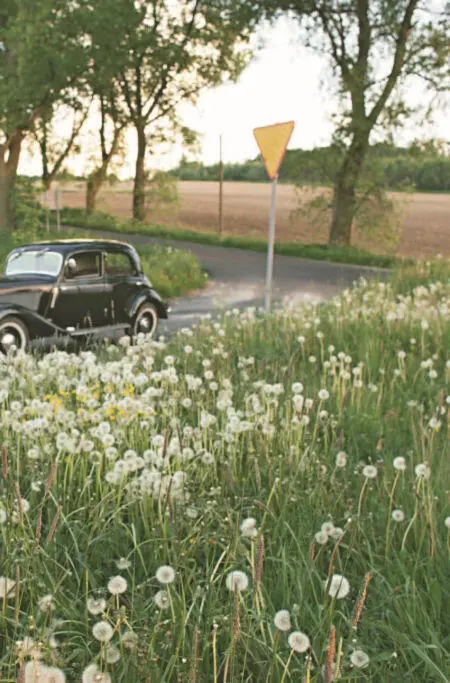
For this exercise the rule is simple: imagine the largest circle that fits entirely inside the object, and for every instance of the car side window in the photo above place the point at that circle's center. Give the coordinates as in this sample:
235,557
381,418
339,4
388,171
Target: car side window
119,263
84,264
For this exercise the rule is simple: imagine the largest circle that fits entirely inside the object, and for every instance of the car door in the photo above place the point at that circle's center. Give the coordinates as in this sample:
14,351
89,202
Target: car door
82,300
121,280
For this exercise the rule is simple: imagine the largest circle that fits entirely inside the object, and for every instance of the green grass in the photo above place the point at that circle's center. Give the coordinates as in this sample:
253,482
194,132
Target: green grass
103,221
172,272
157,453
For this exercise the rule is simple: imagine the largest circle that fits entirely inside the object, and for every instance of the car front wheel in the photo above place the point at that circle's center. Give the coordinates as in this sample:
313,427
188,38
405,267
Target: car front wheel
13,334
146,321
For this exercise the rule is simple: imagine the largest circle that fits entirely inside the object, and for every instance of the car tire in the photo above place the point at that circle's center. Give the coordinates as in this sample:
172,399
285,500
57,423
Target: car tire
13,333
145,321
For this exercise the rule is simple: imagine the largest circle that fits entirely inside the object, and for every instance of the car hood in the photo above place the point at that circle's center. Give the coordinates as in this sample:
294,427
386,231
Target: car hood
26,291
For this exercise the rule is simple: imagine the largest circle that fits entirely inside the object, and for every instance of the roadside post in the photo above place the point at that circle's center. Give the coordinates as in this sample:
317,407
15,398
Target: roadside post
272,142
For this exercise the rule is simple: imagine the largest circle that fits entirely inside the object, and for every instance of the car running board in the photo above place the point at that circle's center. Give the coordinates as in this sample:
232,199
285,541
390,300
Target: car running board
95,330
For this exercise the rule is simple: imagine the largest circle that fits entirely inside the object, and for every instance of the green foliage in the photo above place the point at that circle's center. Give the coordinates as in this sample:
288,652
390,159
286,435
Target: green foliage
423,168
162,192
28,212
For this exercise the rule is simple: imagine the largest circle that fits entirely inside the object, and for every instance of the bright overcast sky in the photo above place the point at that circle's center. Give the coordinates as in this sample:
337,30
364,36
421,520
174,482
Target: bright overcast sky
283,82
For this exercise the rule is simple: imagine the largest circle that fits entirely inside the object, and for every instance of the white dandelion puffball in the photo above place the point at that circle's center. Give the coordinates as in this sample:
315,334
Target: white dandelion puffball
323,395
298,641
237,581
370,471
123,563
7,587
96,607
341,459
248,528
129,640
162,600
399,464
46,603
282,620
321,537
91,674
165,574
398,515
103,631
35,672
112,655
339,586
447,522
117,585
422,471
359,659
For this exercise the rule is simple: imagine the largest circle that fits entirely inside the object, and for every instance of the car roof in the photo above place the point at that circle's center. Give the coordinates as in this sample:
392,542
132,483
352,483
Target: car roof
68,245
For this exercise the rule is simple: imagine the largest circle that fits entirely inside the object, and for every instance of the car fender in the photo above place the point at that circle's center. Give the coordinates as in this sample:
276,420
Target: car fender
147,295
37,326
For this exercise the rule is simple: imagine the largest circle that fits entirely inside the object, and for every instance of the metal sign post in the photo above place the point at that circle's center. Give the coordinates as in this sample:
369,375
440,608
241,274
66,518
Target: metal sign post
270,246
272,142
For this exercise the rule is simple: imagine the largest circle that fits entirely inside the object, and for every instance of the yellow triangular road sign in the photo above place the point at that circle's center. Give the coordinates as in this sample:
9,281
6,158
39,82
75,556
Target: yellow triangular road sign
272,142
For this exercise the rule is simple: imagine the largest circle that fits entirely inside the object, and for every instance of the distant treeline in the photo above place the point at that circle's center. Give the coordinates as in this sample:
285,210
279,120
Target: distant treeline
423,167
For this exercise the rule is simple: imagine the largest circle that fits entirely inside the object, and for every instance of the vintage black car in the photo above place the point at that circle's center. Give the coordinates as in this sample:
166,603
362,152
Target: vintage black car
75,288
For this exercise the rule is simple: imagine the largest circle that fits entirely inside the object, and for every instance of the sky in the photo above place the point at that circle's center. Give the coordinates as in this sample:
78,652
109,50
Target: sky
284,82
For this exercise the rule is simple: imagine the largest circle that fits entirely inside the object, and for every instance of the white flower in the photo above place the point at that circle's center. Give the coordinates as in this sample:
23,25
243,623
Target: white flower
323,394
112,655
35,672
117,585
321,537
359,659
46,603
7,587
297,388
248,527
237,581
91,674
447,522
422,471
282,620
370,471
341,459
327,528
339,586
103,631
3,515
399,464
123,563
129,640
398,515
161,599
165,574
298,641
96,606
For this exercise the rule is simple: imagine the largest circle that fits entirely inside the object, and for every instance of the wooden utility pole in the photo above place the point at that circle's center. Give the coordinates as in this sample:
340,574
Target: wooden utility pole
220,188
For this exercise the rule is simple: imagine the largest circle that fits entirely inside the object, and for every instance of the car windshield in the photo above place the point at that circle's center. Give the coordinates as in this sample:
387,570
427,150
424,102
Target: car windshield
42,262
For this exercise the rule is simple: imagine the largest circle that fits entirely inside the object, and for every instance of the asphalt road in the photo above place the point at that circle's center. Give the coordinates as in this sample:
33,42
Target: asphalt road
237,279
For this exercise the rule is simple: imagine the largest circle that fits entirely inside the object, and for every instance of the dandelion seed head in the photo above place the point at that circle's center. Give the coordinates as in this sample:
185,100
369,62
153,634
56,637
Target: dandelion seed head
359,659
237,581
399,464
299,642
117,585
165,574
162,599
96,606
370,471
339,586
341,459
282,620
102,631
398,515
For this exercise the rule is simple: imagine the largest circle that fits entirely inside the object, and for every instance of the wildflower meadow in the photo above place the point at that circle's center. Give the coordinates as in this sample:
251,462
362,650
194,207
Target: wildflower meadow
257,499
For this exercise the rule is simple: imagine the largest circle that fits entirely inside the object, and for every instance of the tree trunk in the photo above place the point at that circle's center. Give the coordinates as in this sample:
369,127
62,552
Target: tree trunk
9,161
139,209
344,200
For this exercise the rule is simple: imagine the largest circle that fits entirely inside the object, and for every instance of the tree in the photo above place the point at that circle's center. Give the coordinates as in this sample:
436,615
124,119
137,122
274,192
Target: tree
163,53
375,47
40,59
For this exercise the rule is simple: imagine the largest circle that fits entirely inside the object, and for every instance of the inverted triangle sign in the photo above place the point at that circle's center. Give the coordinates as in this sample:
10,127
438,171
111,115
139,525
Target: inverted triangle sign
272,142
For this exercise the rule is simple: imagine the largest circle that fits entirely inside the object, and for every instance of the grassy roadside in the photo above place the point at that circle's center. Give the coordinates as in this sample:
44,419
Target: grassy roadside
173,272
104,221
263,498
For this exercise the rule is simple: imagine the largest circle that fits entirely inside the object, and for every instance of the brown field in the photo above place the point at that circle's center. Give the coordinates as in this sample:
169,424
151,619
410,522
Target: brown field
425,217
